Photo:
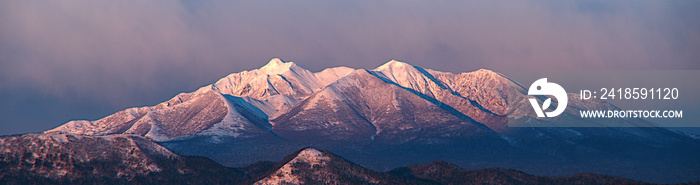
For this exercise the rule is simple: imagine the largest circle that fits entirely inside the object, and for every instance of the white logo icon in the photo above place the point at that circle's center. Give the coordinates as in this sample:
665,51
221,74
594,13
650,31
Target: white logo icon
542,87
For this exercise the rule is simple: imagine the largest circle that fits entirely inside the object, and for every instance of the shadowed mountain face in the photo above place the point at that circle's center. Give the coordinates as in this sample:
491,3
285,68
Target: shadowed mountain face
397,115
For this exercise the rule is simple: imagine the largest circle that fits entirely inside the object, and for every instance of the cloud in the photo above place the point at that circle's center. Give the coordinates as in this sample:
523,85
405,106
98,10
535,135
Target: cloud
117,54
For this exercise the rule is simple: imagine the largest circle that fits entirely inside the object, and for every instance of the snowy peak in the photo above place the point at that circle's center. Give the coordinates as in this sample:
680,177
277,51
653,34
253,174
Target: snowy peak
311,166
285,174
312,156
278,66
393,64
409,76
276,78
275,62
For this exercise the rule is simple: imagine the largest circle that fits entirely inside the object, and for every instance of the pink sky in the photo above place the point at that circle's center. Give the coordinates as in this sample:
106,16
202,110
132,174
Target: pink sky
86,59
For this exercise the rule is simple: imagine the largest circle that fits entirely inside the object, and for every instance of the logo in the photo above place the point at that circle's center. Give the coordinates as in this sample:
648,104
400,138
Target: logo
544,88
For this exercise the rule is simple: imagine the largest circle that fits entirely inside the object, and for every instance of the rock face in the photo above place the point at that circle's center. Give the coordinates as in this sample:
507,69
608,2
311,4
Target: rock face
395,115
113,159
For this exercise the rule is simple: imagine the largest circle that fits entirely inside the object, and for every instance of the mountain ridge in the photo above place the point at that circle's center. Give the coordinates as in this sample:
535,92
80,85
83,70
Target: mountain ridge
263,89
133,159
398,114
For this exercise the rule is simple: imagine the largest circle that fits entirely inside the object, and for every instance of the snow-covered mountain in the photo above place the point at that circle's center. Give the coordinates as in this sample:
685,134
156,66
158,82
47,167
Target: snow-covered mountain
371,116
396,102
237,105
251,103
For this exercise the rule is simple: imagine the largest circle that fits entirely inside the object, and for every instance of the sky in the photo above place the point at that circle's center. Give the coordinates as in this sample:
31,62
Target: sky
70,60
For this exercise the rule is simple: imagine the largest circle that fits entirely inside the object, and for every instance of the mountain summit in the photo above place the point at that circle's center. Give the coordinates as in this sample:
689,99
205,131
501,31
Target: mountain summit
312,166
395,115
277,66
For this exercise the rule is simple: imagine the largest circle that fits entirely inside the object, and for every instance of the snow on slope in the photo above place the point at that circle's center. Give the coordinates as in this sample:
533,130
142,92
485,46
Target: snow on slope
435,86
330,75
278,85
59,152
275,78
112,124
203,112
361,107
285,174
216,109
241,104
411,77
311,166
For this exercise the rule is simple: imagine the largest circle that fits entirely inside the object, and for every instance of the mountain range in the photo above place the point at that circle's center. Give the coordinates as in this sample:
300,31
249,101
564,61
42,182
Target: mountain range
392,116
130,159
